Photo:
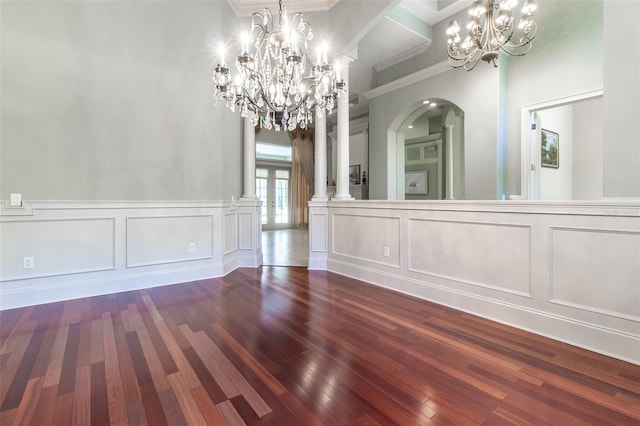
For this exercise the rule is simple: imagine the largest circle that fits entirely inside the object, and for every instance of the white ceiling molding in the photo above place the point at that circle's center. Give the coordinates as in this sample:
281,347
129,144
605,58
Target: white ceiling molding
429,11
418,50
428,72
244,8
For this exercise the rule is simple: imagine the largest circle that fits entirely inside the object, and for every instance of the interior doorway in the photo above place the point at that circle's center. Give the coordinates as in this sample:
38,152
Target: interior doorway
282,245
574,124
428,140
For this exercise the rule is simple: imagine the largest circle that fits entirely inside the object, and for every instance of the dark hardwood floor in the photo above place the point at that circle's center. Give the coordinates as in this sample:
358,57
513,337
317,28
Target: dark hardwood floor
287,346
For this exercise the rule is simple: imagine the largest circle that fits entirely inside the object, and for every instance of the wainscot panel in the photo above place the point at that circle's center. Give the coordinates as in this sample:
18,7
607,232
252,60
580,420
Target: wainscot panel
230,232
55,251
56,247
596,269
368,238
492,255
566,270
166,239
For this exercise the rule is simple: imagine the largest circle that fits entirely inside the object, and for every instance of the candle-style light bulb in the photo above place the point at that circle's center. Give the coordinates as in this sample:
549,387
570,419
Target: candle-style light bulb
221,53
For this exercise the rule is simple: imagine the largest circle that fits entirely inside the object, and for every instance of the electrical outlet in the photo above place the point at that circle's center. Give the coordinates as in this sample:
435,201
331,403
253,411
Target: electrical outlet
192,247
27,263
386,252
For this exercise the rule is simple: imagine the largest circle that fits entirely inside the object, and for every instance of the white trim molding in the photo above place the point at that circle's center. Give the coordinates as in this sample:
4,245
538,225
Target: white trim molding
408,80
81,249
565,270
243,8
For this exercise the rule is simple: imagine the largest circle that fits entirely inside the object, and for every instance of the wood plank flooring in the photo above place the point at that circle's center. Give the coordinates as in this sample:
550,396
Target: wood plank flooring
287,346
285,247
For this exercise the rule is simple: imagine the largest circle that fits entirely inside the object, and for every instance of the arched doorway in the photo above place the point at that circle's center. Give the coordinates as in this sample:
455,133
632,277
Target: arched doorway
428,143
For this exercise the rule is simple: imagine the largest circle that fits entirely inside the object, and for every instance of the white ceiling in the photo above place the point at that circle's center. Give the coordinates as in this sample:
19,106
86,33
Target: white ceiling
386,43
247,7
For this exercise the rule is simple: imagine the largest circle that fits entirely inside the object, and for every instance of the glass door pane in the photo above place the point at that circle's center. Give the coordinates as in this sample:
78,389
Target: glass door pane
272,188
262,184
282,197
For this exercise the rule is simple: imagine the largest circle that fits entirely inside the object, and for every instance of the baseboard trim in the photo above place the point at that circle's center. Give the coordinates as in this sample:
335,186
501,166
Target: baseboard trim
74,288
585,335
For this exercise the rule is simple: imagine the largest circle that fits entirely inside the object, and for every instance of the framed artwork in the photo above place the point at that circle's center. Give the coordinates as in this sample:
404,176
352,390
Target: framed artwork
354,174
416,183
550,149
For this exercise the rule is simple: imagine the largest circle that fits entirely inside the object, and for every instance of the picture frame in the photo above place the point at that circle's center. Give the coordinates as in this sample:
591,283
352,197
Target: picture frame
549,149
416,183
354,174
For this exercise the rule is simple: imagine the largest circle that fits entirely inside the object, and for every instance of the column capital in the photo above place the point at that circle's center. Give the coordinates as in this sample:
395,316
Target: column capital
344,58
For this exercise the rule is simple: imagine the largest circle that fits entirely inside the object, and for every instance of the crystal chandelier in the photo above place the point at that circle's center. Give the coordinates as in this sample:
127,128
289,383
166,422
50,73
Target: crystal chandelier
490,35
270,86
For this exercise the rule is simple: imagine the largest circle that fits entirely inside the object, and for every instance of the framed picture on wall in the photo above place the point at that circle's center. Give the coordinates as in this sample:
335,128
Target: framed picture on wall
416,183
354,174
550,149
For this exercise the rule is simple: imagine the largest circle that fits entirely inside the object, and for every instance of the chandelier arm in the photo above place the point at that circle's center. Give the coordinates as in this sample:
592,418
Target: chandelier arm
474,56
270,106
524,52
525,41
261,30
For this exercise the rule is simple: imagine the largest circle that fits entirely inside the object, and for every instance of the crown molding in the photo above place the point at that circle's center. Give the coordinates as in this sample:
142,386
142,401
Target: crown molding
401,57
407,80
243,8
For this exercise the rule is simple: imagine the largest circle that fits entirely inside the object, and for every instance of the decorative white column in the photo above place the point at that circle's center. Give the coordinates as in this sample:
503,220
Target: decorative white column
331,155
449,154
320,179
342,169
248,210
249,160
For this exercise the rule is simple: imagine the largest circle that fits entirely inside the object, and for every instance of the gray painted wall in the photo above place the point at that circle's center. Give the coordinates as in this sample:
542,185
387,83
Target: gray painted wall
566,59
476,93
621,99
112,101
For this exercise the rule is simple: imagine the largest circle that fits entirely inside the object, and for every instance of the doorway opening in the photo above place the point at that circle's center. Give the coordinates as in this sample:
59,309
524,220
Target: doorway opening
282,245
575,125
428,142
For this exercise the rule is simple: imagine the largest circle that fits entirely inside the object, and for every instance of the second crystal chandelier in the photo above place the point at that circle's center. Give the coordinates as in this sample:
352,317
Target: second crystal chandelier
489,33
270,86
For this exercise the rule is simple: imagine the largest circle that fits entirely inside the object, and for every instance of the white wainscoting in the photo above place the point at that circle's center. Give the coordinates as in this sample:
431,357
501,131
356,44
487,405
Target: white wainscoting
318,235
570,271
92,240
82,249
494,255
606,283
367,238
166,239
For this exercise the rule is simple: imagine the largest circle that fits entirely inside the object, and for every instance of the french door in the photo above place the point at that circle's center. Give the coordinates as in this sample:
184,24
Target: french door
272,187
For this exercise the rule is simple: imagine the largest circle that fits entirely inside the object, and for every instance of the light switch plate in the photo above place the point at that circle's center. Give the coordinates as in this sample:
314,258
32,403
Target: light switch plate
16,200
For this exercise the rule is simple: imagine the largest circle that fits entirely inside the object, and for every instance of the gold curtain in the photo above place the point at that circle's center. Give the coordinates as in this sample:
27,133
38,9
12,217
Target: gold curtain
301,175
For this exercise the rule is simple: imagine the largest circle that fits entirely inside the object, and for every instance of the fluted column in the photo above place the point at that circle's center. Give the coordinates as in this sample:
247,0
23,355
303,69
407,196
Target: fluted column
320,180
342,169
249,160
449,154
